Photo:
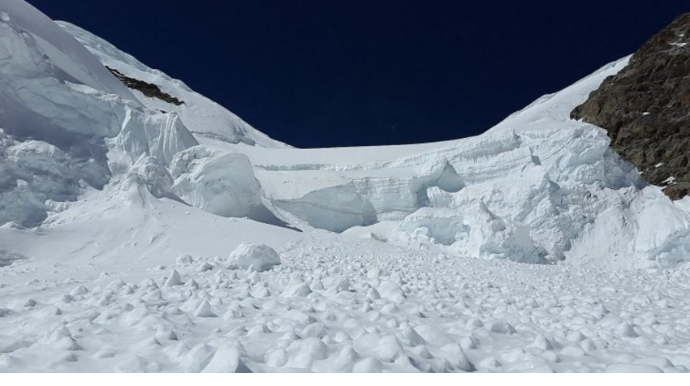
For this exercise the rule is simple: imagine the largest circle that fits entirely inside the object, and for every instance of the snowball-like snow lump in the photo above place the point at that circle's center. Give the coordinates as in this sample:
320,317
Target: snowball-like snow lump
259,257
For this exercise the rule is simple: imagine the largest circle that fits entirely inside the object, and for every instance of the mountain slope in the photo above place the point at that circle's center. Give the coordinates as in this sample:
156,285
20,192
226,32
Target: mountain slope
536,188
645,108
69,125
69,58
205,118
118,212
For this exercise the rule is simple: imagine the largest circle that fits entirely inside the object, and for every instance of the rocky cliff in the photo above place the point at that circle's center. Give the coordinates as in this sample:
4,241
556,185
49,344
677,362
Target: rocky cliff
645,109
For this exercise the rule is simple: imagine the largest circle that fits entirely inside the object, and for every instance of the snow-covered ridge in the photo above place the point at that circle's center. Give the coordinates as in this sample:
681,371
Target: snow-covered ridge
65,53
202,116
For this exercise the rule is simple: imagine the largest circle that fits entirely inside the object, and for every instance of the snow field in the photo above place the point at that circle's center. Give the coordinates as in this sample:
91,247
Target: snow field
362,306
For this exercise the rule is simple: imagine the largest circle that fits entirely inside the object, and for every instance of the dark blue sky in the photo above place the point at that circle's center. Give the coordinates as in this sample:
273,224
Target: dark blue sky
342,73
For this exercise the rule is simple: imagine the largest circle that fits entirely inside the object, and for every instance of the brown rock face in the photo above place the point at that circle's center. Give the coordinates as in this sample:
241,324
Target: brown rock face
148,89
646,109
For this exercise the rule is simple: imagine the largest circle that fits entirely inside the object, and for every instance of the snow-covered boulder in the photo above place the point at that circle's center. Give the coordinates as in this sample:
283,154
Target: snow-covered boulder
259,257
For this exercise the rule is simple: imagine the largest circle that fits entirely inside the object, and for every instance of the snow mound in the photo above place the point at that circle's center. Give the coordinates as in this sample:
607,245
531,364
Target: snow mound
219,183
258,257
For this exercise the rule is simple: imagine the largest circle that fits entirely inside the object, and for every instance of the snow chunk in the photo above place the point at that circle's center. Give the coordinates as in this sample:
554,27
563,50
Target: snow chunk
259,257
297,290
626,330
173,280
391,291
453,353
225,360
204,310
388,349
197,358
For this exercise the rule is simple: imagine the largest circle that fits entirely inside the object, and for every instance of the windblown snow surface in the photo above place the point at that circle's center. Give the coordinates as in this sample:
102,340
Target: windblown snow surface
143,236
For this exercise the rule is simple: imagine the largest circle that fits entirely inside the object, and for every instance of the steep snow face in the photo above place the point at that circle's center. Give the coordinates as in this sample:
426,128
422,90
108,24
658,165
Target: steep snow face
71,61
207,120
56,109
67,125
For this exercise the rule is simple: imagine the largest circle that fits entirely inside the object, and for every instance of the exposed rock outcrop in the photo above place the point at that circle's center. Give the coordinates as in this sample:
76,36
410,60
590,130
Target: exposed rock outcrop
148,89
646,109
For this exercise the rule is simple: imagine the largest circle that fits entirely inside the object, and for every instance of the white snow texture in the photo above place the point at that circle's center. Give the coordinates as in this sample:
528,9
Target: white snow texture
255,257
392,258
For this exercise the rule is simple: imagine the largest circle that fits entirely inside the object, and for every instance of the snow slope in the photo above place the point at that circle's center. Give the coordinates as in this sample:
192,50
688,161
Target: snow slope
121,217
205,118
69,57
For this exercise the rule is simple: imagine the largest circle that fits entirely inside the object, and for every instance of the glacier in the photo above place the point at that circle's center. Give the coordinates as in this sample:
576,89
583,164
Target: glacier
536,188
392,258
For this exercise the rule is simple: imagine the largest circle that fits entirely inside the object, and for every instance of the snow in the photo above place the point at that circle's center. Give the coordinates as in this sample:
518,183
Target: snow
535,188
65,53
219,183
206,119
149,237
458,315
258,257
